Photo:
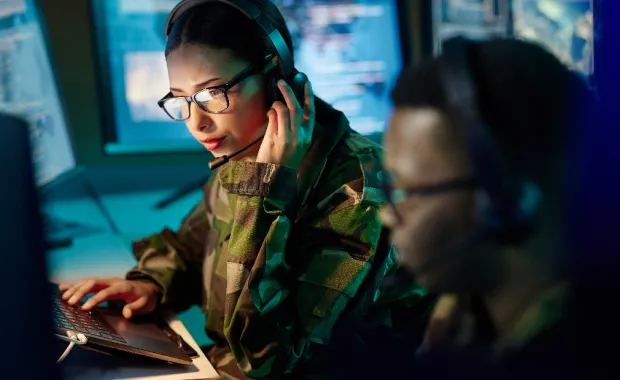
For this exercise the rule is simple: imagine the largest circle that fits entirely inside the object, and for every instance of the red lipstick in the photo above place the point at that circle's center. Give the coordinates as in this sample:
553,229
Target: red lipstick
212,144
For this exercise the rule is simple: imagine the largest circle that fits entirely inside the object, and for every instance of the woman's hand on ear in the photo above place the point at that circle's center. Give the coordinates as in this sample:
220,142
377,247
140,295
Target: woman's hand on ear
290,127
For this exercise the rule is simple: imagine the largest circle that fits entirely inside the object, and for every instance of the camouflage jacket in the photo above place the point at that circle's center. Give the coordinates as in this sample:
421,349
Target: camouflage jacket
275,256
460,332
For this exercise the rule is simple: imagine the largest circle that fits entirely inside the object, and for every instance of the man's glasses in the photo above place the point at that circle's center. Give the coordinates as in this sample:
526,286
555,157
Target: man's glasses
211,99
396,196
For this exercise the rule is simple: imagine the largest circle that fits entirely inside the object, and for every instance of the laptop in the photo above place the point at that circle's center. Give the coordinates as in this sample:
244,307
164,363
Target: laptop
105,329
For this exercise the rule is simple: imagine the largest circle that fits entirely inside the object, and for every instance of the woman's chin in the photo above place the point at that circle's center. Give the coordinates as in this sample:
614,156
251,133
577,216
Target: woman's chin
221,152
216,154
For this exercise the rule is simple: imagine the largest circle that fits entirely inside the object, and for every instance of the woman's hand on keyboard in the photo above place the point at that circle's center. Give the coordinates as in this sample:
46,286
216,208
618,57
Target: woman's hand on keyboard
141,297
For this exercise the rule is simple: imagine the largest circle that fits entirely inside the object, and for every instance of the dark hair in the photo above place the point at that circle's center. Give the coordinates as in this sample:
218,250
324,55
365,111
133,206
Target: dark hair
221,26
529,100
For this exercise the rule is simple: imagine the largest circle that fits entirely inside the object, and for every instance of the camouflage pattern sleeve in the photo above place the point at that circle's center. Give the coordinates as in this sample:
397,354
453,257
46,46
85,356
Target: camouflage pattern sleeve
288,286
173,260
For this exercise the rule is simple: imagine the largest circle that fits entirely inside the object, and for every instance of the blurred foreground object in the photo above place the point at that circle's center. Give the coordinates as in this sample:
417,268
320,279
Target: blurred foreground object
26,331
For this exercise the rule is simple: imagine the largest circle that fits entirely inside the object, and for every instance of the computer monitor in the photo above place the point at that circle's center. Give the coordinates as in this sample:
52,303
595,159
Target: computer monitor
563,27
26,317
476,19
350,49
28,88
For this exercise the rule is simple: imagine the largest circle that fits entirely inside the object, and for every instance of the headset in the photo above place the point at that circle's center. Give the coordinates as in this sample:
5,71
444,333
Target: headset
510,204
272,38
275,46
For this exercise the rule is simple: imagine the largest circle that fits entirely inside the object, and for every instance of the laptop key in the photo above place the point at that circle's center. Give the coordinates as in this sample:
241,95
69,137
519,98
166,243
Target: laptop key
73,318
67,325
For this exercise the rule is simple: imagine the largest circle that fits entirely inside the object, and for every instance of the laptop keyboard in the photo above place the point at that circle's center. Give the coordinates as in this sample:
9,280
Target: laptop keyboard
75,319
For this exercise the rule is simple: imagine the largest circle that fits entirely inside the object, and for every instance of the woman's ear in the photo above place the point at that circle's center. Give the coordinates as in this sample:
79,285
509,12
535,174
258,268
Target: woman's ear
273,63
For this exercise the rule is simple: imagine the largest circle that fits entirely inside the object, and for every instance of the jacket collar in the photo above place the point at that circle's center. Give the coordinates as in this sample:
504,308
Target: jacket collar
329,128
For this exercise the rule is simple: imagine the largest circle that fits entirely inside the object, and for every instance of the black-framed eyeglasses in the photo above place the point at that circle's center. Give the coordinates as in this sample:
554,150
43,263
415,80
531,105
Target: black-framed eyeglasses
395,196
211,99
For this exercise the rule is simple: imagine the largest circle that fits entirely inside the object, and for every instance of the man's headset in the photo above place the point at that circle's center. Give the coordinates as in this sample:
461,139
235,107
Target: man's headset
510,210
274,43
507,210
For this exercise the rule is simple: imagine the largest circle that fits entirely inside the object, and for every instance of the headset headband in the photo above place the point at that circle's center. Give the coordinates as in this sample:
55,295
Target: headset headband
273,37
462,101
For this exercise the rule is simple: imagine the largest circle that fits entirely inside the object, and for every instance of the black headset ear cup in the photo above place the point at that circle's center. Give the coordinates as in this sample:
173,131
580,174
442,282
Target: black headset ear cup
297,83
515,224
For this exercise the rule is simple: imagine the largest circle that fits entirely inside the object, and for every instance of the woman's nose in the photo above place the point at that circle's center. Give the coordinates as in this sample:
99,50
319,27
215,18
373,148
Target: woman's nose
199,120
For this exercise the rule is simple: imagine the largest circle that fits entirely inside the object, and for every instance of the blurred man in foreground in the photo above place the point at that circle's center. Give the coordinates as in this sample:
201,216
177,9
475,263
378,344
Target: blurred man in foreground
475,162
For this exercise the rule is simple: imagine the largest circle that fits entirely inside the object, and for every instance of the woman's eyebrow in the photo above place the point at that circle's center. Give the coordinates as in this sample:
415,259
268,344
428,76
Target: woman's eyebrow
197,85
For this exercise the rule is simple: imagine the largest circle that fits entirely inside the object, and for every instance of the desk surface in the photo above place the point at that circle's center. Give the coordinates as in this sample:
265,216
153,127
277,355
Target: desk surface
104,254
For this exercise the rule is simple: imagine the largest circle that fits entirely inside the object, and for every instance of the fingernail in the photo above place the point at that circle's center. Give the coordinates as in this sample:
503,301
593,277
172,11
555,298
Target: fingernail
72,300
86,306
281,82
65,296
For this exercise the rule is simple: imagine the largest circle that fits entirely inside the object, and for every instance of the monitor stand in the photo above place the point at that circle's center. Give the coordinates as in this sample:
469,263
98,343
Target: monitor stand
60,232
